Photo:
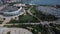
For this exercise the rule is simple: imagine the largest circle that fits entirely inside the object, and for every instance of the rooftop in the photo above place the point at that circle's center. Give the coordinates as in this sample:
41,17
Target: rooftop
15,31
9,9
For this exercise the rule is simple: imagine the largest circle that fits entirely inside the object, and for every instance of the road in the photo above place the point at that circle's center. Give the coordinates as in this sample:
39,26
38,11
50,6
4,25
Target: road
45,22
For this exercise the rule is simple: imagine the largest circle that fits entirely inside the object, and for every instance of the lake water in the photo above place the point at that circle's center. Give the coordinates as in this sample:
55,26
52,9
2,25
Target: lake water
37,2
43,2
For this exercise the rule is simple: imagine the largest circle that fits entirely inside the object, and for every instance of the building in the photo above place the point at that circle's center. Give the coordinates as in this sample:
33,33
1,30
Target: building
11,11
14,31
